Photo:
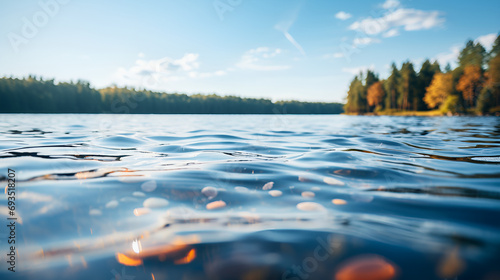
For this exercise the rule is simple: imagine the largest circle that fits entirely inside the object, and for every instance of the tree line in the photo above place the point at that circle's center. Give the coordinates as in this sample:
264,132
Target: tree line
36,95
472,87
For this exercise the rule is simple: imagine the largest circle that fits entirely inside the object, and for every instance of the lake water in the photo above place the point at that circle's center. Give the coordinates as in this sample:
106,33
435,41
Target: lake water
289,197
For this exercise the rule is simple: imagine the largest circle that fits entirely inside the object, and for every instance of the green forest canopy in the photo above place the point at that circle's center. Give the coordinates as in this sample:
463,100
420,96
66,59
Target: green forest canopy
32,95
472,87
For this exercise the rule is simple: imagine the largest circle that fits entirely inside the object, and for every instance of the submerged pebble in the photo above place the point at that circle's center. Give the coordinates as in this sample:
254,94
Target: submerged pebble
155,202
138,194
241,189
308,194
268,186
451,265
338,201
333,181
275,193
141,211
216,204
366,267
310,206
149,186
303,179
209,192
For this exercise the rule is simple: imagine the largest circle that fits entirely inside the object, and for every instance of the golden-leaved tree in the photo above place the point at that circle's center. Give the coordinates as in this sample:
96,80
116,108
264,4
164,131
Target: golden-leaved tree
439,89
375,94
470,83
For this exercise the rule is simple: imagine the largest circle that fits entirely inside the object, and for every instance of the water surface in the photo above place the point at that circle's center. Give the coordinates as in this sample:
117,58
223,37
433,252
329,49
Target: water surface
289,197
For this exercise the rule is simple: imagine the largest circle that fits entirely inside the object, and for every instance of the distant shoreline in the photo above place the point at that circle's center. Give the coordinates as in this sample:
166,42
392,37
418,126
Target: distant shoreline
36,95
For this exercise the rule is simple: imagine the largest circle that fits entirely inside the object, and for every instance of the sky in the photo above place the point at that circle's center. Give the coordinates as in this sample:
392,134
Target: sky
306,50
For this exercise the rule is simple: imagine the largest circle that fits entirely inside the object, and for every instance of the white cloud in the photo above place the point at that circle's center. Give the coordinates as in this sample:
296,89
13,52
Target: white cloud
258,59
365,41
391,33
164,66
448,57
408,19
357,70
141,55
487,40
152,73
343,15
391,4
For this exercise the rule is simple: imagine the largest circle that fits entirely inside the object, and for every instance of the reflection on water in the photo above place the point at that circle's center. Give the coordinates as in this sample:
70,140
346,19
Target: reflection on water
254,197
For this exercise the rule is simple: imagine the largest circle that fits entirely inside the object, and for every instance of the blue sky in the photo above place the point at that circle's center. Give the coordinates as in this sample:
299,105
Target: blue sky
280,49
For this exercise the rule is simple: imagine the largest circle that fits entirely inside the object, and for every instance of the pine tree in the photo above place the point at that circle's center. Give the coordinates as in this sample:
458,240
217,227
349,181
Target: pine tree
447,69
371,78
495,50
407,87
472,54
391,88
353,96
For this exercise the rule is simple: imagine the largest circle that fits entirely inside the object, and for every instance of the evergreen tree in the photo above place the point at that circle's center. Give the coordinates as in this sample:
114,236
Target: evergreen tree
435,67
355,101
391,88
447,69
472,54
407,86
495,50
371,78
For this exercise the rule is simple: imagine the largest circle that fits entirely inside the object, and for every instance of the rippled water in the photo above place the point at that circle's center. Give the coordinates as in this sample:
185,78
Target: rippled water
290,197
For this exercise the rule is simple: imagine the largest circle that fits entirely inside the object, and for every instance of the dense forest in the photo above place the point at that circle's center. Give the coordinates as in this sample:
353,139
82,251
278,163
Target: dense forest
35,95
473,87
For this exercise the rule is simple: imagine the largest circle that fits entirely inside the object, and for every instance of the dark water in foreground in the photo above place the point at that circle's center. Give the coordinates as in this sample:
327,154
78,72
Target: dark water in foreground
291,197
